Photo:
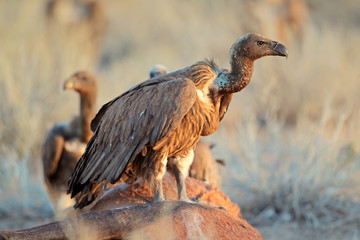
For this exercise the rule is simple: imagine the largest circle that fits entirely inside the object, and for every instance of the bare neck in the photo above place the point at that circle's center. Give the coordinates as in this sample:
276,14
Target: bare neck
239,77
87,113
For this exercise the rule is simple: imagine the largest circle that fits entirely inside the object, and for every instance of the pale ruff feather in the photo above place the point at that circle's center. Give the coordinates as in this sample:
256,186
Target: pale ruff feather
183,163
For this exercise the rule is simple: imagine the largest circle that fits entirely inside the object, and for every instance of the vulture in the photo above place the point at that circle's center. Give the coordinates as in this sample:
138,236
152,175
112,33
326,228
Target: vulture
157,70
157,123
63,144
204,166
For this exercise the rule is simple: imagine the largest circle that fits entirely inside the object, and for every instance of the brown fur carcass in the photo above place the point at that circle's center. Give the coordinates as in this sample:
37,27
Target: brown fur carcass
158,122
123,195
65,142
157,220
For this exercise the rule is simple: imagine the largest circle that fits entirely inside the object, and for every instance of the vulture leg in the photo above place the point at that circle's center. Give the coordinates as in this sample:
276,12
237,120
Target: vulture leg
158,189
181,168
180,180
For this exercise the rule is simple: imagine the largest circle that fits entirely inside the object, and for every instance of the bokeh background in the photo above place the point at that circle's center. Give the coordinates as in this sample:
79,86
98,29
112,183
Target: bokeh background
290,140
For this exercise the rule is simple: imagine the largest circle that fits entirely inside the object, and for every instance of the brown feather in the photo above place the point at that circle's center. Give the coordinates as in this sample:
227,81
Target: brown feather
152,123
204,166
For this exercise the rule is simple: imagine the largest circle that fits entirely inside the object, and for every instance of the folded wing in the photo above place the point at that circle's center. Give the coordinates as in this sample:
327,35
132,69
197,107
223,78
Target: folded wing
140,117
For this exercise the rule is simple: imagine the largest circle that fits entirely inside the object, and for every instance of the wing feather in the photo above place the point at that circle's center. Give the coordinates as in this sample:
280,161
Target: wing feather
150,82
151,112
51,153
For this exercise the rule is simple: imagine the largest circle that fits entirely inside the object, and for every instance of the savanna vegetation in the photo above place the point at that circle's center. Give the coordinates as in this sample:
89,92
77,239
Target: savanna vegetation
290,140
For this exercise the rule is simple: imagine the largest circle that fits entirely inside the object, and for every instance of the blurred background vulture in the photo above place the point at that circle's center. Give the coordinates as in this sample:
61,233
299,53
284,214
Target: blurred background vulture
205,166
65,142
158,122
157,70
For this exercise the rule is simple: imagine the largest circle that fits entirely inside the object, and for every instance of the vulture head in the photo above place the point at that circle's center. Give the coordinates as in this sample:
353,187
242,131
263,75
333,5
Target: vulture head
83,82
86,85
157,70
243,53
254,46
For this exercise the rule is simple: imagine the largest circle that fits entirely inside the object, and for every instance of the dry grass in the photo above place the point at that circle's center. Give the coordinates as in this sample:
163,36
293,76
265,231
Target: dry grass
297,155
33,67
294,140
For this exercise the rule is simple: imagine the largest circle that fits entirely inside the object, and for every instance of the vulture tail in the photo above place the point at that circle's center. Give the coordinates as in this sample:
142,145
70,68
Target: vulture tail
89,194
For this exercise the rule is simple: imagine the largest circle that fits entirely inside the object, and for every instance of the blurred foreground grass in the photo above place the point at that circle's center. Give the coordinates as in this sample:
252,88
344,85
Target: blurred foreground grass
290,139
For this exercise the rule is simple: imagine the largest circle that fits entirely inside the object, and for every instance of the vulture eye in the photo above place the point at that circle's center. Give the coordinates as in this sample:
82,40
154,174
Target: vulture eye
259,43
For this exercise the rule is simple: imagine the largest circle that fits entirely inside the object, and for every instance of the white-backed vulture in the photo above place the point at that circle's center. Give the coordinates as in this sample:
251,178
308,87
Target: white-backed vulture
158,122
204,166
65,142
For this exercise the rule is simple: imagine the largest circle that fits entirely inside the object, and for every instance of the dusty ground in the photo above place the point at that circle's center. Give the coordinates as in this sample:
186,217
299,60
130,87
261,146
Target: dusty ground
292,231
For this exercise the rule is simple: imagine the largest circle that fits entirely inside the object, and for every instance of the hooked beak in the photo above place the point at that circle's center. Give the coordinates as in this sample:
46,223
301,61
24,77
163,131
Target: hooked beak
69,84
279,49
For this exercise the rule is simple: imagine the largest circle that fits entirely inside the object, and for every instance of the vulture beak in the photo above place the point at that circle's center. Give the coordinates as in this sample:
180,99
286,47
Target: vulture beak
279,49
69,84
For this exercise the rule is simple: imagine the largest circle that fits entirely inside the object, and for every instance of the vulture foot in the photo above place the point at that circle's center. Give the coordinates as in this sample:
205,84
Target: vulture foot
158,191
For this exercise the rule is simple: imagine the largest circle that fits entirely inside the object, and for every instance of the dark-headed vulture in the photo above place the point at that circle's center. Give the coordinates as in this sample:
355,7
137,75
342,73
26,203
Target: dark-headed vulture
158,122
65,142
